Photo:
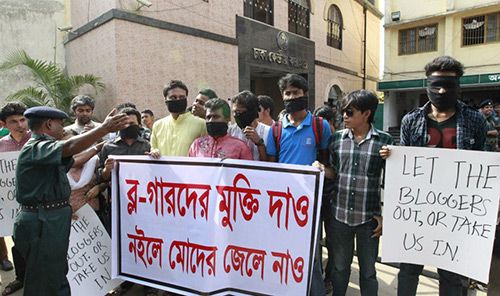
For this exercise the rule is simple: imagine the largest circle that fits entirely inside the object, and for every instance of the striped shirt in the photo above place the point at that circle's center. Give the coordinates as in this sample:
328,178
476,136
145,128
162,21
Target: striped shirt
8,144
358,169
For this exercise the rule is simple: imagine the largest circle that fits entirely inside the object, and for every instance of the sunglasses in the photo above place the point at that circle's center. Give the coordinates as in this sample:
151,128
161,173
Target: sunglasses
348,112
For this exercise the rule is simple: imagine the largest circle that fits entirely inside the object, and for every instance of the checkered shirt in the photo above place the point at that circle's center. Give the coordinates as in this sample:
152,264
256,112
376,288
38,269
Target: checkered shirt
471,128
358,169
8,144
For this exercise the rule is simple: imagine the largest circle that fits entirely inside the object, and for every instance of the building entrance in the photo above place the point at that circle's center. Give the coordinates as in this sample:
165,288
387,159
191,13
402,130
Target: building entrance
265,82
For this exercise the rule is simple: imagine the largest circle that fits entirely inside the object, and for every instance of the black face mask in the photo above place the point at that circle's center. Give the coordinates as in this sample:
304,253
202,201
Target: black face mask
448,99
295,105
176,106
217,129
245,118
131,132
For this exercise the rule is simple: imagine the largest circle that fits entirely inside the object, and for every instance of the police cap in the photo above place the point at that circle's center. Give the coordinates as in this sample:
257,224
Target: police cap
45,112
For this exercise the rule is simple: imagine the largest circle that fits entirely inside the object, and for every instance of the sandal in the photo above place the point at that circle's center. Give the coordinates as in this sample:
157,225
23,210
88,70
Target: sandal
12,287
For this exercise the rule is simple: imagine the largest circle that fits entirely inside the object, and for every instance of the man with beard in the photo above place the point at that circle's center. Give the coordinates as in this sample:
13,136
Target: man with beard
83,107
297,140
443,122
218,144
248,128
174,134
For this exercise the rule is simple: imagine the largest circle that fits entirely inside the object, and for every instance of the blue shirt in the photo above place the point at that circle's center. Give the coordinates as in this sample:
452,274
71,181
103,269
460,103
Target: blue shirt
298,144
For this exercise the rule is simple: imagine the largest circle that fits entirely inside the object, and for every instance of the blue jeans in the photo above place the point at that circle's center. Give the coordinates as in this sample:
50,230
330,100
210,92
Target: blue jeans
450,283
342,242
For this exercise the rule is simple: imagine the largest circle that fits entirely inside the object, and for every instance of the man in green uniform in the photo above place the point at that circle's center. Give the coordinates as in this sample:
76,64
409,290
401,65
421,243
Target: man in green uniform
41,232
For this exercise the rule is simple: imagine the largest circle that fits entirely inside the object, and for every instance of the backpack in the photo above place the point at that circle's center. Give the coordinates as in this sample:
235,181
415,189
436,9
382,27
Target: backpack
317,129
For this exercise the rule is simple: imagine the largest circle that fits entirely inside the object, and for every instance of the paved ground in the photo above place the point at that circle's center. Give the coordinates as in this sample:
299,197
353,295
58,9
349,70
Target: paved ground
386,275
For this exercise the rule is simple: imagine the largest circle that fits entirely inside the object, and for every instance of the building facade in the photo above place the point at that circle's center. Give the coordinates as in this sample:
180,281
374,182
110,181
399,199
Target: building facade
30,25
418,31
226,45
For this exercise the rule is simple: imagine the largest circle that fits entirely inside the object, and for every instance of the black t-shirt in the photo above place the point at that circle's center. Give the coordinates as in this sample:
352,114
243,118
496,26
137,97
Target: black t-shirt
442,134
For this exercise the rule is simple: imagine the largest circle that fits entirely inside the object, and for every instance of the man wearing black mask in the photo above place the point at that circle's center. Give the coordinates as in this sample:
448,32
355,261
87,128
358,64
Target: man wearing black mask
298,144
128,142
174,134
218,143
248,128
443,122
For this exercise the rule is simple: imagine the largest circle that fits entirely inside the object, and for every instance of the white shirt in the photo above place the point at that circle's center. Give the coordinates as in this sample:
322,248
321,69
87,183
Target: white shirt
262,130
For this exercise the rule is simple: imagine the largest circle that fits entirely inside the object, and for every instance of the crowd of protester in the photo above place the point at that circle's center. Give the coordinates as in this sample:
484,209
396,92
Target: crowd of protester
74,162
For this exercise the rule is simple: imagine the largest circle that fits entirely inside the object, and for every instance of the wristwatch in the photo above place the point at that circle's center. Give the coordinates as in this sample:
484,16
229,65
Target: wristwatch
260,142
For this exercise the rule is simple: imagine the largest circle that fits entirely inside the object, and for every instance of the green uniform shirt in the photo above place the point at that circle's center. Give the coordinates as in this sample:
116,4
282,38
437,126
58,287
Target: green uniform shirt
41,171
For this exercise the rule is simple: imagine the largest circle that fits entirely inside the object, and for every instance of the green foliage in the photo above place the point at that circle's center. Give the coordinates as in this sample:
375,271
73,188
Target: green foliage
52,86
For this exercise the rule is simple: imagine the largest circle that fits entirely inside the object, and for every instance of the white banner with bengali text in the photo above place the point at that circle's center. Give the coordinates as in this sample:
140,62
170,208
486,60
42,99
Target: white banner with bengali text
9,208
199,225
89,256
440,208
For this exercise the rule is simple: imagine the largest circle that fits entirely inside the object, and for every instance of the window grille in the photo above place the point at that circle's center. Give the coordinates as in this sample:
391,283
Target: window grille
335,26
260,10
416,40
298,17
481,29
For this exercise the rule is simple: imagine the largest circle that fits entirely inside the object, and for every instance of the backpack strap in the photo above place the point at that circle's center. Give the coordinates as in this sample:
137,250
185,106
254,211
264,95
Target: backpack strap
276,129
318,129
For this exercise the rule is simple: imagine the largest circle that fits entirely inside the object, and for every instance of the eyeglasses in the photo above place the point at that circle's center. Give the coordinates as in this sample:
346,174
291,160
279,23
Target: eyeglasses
348,112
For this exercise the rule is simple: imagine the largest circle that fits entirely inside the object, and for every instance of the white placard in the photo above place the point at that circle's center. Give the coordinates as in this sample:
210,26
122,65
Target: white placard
197,226
9,207
89,256
440,208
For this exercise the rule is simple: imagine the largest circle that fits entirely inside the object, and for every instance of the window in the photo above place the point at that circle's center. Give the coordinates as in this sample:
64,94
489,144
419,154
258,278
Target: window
417,40
334,37
334,95
298,17
481,29
260,10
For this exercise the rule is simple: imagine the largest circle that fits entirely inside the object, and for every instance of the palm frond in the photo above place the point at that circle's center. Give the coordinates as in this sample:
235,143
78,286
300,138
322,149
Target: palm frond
45,73
30,96
79,81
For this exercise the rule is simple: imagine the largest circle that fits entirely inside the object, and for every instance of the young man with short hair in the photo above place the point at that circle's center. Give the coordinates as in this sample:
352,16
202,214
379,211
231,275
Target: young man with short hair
174,134
266,110
298,144
356,168
198,107
247,128
443,122
218,143
148,119
12,116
